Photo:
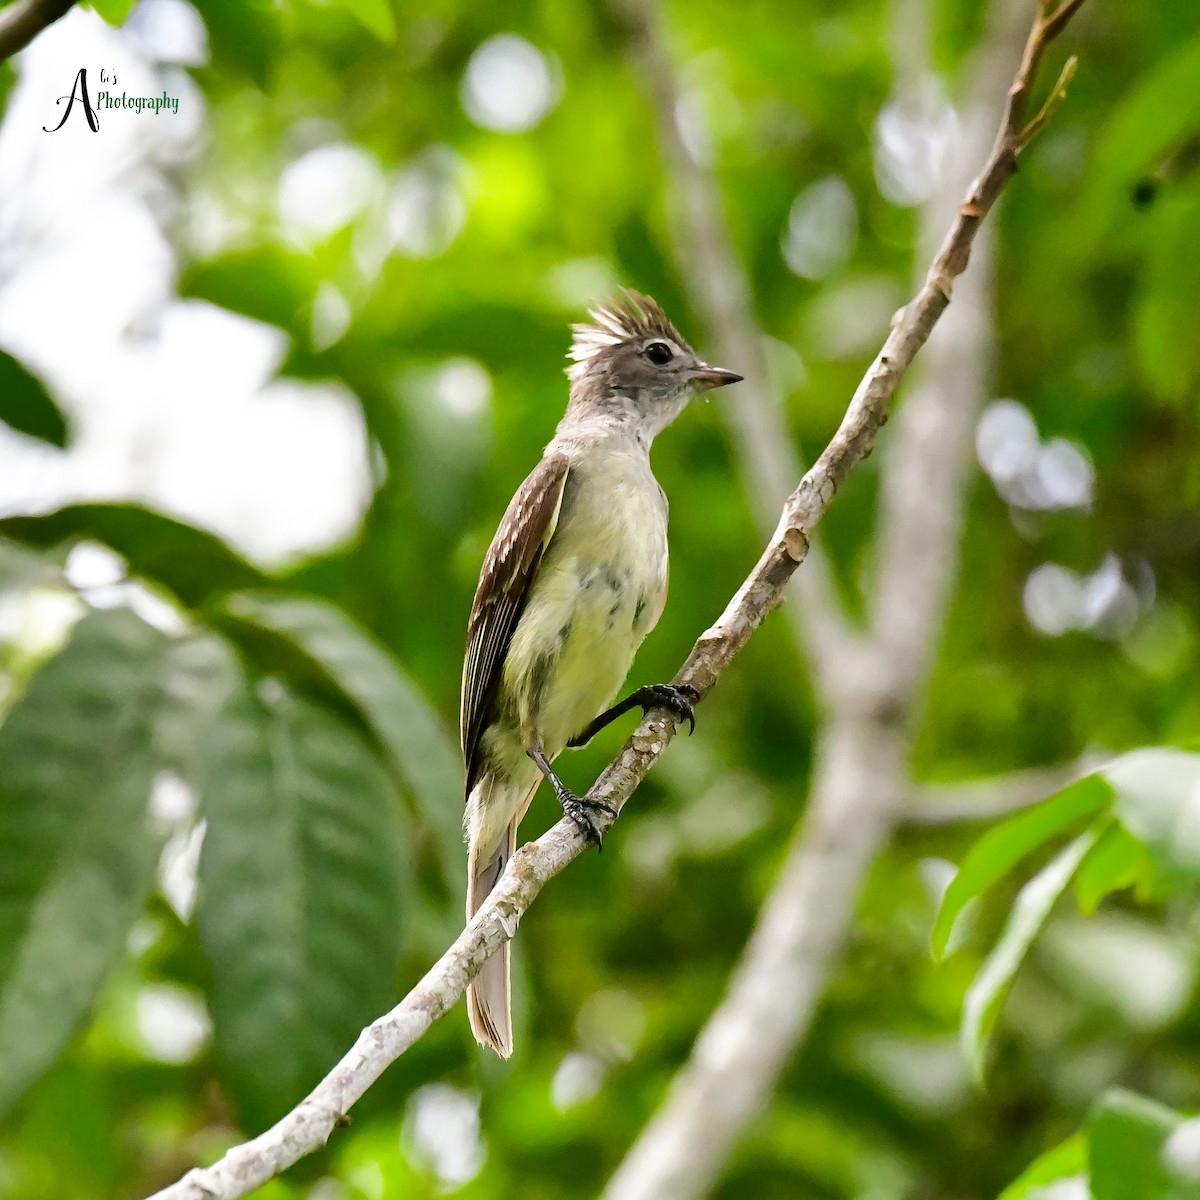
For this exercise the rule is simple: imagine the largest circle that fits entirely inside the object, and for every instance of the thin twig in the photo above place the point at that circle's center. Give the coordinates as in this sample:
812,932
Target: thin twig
307,1127
21,22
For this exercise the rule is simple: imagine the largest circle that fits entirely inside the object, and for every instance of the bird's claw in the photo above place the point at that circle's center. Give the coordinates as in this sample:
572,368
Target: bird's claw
580,810
680,698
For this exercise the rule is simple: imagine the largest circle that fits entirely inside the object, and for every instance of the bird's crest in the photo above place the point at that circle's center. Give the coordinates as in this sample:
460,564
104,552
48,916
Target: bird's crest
627,317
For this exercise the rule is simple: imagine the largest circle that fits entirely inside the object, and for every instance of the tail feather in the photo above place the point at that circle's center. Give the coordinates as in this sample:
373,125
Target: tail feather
489,994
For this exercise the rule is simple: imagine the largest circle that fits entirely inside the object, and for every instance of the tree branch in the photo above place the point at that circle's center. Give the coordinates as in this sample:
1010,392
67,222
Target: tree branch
307,1127
21,22
983,799
861,762
763,447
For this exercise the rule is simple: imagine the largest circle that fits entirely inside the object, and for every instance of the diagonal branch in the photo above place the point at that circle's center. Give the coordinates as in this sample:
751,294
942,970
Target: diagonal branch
21,22
861,775
307,1127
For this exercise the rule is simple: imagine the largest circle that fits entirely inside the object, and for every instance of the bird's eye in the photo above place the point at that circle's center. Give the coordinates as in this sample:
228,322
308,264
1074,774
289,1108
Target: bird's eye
659,353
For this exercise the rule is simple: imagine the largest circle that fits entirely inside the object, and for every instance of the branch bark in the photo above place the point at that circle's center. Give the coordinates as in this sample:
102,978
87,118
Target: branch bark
21,22
308,1126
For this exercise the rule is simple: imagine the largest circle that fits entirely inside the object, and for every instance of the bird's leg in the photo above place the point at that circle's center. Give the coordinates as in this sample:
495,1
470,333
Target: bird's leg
678,697
579,809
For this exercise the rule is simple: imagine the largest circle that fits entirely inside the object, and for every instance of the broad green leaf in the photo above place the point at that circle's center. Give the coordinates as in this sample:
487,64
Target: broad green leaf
301,878
77,855
193,564
1117,861
1125,1136
1158,801
202,671
1067,1160
408,730
26,406
989,987
1001,848
376,15
266,283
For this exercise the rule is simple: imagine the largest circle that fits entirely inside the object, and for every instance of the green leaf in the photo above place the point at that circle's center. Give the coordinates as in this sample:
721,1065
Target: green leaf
266,283
22,568
406,727
193,564
1147,123
77,855
1067,1160
113,11
989,987
301,878
376,15
1001,848
244,35
1157,792
1168,352
1117,861
1125,1136
26,406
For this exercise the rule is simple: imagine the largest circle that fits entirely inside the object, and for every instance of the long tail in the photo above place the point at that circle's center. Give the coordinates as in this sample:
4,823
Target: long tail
489,994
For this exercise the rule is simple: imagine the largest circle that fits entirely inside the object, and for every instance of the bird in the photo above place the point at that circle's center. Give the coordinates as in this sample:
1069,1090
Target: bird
574,580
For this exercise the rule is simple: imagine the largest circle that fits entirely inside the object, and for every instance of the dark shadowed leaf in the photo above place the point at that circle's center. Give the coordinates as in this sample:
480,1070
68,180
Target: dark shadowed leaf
267,284
26,406
1001,848
193,564
300,908
245,35
77,855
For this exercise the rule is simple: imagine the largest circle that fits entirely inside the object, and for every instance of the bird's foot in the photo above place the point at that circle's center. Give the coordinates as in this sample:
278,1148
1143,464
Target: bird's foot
680,698
580,810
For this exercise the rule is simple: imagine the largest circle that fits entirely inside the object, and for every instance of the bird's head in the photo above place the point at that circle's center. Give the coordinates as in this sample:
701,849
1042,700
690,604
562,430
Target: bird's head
629,363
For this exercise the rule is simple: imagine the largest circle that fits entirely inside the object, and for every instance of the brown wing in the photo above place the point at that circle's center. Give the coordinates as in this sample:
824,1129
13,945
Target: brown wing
508,570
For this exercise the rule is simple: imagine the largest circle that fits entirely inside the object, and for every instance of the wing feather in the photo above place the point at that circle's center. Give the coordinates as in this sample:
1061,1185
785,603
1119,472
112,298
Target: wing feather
508,570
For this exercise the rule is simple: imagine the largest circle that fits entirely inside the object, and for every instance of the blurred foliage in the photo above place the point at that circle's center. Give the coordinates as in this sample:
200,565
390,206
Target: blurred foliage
308,712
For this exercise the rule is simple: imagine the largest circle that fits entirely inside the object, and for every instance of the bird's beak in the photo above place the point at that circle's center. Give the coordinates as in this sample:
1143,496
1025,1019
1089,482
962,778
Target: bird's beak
706,378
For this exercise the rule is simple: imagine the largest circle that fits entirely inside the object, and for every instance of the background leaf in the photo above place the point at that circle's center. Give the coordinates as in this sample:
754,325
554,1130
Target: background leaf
301,877
77,853
1005,845
409,731
986,994
376,15
27,407
1125,1136
1158,801
194,564
1117,861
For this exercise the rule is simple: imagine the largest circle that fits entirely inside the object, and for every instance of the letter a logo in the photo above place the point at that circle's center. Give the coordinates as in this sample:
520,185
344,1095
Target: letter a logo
80,88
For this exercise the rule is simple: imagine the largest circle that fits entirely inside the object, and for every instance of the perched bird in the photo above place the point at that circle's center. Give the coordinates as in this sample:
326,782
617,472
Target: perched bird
575,578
